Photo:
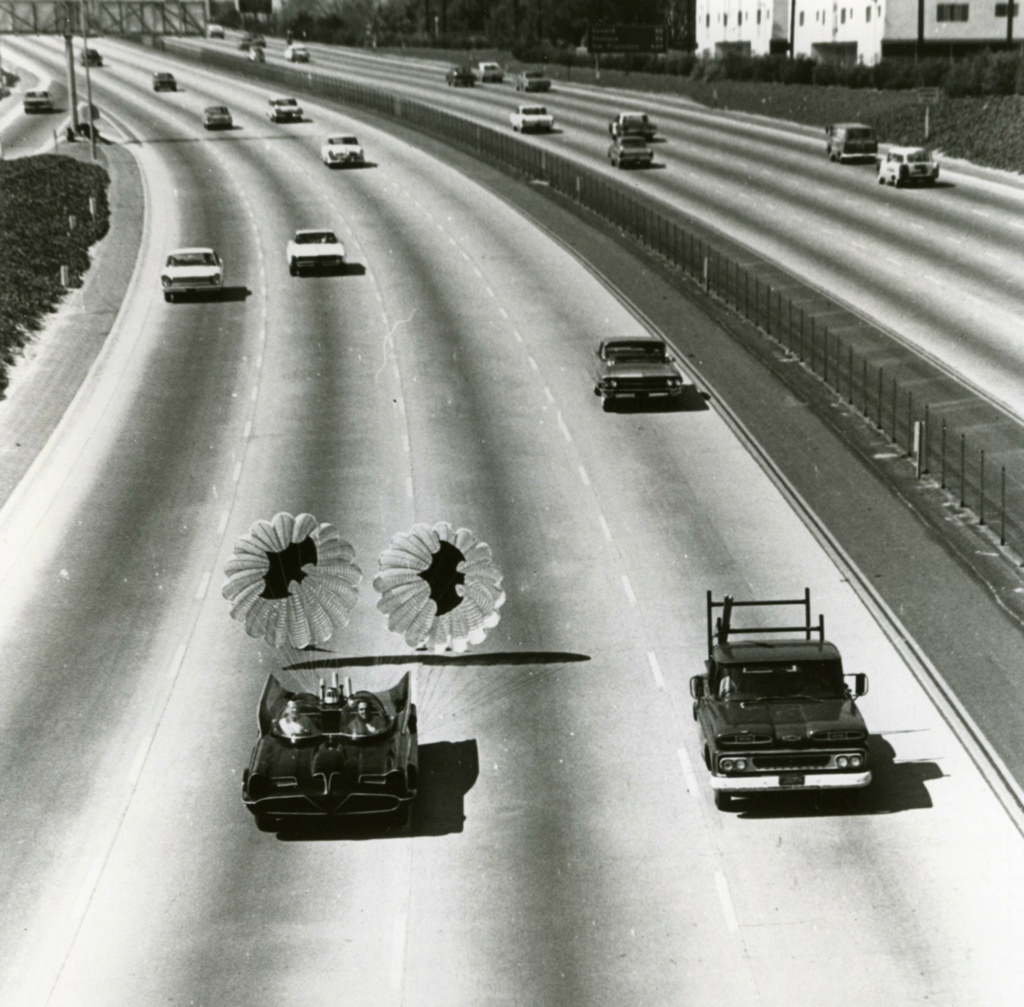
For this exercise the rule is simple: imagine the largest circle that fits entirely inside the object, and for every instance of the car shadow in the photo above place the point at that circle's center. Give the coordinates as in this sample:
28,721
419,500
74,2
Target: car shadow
224,294
691,401
895,786
448,770
352,167
346,269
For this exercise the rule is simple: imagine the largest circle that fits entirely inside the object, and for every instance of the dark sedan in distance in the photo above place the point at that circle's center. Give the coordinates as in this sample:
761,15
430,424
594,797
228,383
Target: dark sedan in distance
636,367
460,76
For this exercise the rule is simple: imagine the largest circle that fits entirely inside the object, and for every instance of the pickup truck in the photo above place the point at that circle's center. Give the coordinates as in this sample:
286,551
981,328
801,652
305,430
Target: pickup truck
633,124
775,710
532,119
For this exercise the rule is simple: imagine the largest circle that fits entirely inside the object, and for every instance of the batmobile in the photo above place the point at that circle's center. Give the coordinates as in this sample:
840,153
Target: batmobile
340,755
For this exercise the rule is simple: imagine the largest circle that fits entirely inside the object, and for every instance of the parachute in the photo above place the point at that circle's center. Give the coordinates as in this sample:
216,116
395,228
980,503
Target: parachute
439,587
292,581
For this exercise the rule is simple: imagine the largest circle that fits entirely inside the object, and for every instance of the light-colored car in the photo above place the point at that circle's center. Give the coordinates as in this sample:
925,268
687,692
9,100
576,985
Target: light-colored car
315,249
630,152
342,149
296,52
907,166
217,117
37,101
214,31
191,271
284,110
489,73
532,80
633,124
636,367
532,119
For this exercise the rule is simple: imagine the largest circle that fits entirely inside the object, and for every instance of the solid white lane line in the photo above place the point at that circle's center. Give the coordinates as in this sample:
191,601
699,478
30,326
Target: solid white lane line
605,530
583,476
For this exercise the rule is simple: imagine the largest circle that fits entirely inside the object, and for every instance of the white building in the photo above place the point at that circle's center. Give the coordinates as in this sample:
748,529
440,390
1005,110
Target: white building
853,31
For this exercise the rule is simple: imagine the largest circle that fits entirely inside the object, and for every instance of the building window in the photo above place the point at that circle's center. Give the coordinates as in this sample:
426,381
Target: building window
842,16
801,19
725,20
739,18
951,12
867,15
759,15
707,20
1001,9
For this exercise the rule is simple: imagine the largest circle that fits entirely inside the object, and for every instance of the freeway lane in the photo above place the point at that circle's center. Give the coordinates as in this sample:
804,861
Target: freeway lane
942,268
566,848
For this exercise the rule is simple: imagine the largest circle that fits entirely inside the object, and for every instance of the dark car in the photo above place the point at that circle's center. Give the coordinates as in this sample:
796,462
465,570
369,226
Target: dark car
532,80
637,367
164,82
848,141
90,57
252,41
338,756
460,76
630,152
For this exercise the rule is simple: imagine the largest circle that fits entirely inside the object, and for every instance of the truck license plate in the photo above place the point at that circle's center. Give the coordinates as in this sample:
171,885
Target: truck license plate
791,779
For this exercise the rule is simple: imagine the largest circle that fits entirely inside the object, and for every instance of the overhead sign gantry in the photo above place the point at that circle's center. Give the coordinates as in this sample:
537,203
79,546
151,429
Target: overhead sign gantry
104,17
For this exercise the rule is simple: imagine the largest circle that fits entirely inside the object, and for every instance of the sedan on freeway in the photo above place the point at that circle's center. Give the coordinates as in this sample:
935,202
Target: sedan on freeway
636,367
342,149
460,76
164,82
284,110
191,271
217,117
630,152
37,101
315,249
907,166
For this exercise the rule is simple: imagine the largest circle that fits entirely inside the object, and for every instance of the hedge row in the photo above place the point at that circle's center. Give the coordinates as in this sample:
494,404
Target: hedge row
38,196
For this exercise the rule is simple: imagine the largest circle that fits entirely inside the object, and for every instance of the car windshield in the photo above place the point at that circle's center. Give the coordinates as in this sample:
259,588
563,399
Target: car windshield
343,141
283,101
536,110
918,156
192,259
217,110
316,238
632,141
635,351
534,74
808,680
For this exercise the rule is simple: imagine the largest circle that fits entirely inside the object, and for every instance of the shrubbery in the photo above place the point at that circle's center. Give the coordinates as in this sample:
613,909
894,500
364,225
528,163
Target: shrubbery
38,195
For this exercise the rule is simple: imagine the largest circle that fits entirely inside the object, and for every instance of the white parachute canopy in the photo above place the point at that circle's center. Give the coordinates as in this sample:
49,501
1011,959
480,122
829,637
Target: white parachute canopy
439,587
292,581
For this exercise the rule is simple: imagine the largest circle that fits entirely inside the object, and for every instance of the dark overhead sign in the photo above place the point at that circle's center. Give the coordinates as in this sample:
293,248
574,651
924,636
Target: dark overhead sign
627,38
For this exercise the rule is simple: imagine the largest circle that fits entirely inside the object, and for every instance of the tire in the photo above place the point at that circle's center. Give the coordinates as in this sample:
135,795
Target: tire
608,403
267,823
293,268
168,296
723,800
881,179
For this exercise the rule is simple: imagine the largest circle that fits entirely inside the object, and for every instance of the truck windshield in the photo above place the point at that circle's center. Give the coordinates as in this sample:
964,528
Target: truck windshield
809,680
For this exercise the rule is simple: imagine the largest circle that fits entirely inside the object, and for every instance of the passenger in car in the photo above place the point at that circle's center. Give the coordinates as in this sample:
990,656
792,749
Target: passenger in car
293,723
362,723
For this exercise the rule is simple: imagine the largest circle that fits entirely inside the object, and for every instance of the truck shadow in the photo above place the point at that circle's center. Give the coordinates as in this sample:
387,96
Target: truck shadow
896,786
692,400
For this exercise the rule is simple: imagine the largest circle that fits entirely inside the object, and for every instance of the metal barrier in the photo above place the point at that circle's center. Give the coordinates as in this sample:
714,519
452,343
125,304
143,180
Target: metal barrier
923,411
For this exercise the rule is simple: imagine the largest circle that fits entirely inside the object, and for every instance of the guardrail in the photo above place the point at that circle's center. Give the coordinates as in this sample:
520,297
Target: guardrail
923,411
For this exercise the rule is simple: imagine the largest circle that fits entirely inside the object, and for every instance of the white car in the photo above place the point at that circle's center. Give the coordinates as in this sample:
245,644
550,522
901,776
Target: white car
296,53
489,73
37,101
217,117
315,249
284,110
214,31
907,166
191,271
532,119
342,149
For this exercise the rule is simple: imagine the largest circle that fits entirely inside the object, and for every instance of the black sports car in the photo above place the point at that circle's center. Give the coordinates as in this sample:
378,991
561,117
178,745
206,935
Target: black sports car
339,756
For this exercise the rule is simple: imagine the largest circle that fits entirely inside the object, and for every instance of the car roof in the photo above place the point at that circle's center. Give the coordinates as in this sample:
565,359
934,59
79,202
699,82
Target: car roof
907,150
189,251
850,125
772,651
314,230
283,101
644,341
215,108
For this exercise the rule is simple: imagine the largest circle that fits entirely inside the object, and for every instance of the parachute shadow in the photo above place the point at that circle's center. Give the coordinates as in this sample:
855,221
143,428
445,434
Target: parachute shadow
470,659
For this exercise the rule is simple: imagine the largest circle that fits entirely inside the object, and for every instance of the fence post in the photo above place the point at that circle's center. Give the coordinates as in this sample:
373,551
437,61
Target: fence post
963,467
981,490
942,461
925,468
768,311
1002,505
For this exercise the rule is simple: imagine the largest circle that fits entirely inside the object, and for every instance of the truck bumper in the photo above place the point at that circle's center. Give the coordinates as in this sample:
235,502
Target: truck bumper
790,781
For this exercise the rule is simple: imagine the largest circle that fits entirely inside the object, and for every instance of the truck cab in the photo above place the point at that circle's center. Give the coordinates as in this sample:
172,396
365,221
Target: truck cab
775,709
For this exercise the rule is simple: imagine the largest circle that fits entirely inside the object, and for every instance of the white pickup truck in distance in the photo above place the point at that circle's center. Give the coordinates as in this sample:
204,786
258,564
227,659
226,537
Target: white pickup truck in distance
532,119
489,73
